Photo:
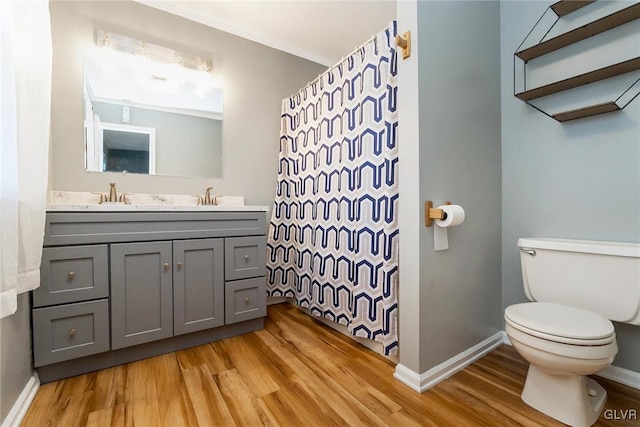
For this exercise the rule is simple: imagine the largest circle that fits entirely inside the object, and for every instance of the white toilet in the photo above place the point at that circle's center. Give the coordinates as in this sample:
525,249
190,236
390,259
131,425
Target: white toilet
566,334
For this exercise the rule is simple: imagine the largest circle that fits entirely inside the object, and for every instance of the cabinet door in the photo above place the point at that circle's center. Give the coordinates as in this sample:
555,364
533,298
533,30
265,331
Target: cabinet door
198,285
141,293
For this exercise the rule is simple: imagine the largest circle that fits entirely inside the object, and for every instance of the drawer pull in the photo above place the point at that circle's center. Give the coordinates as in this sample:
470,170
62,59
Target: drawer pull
166,266
246,300
179,265
246,257
72,332
72,275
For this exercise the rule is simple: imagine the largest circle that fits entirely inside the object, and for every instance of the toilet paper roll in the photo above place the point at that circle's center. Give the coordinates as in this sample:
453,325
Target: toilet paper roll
454,216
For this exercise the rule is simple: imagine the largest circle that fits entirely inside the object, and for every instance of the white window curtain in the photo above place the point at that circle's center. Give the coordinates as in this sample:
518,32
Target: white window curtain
25,75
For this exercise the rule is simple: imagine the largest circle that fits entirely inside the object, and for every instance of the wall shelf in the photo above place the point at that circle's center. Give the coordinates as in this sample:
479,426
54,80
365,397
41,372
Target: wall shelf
565,7
592,110
581,79
598,26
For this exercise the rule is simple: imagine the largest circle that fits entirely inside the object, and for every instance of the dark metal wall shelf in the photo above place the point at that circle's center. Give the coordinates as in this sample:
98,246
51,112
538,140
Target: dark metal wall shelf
598,26
581,79
592,110
565,7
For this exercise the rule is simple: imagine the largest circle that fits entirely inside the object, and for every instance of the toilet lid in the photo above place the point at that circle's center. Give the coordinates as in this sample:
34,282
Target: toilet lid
560,321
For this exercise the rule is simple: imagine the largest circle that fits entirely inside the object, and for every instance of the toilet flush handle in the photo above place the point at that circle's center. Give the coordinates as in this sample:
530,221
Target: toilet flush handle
528,251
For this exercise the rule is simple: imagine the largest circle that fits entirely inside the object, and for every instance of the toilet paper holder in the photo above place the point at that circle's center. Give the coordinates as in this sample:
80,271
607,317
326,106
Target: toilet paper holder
430,213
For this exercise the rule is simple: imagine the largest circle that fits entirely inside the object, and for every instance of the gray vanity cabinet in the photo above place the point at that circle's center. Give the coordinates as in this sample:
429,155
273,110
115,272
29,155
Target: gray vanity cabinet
141,293
198,285
122,286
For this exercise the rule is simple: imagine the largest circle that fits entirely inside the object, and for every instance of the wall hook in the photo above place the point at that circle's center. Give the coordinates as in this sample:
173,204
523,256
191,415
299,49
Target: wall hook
404,42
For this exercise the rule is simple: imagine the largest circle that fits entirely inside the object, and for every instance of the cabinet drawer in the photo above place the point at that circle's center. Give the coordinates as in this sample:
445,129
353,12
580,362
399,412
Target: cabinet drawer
70,331
245,300
244,257
71,274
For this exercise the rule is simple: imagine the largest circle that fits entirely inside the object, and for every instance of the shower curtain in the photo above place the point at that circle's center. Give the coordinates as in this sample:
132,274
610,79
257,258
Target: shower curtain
333,236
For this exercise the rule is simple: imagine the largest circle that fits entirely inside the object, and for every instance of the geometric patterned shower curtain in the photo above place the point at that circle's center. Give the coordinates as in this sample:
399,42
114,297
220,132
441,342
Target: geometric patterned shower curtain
333,236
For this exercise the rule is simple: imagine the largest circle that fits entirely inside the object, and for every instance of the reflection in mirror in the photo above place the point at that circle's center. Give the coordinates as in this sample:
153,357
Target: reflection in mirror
127,149
148,116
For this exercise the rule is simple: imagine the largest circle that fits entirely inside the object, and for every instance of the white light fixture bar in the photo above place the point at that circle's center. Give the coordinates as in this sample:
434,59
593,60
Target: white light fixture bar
151,51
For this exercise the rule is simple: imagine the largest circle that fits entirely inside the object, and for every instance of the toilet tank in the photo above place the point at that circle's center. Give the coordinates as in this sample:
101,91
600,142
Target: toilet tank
602,277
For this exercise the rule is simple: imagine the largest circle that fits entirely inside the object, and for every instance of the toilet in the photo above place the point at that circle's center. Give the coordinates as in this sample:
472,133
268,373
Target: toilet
577,288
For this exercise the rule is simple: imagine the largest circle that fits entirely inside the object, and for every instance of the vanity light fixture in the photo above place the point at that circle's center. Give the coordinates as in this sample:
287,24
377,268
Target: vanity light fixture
157,68
142,50
105,41
120,43
204,66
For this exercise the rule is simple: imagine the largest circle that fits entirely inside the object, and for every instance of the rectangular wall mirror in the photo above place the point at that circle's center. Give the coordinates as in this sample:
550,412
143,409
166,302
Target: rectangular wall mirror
148,117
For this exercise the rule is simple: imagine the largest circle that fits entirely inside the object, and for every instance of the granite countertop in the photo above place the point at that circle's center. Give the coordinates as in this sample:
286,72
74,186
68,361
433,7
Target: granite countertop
84,201
120,207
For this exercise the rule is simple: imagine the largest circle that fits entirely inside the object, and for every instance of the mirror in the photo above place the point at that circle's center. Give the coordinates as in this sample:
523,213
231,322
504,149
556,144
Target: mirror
149,117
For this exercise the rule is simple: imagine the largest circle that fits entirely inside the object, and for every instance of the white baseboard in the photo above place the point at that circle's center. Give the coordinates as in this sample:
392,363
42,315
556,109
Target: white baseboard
408,377
19,409
621,375
614,373
426,380
505,339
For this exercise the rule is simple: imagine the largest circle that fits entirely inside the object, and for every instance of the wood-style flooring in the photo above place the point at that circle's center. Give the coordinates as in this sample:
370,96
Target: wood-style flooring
295,372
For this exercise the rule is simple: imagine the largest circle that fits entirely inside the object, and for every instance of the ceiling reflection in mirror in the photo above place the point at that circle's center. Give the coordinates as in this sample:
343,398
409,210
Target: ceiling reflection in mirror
147,111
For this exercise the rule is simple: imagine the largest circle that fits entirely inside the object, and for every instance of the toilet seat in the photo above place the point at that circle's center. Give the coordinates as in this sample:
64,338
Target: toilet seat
562,324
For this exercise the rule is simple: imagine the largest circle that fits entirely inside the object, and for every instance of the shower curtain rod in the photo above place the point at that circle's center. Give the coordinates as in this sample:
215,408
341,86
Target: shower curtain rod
357,48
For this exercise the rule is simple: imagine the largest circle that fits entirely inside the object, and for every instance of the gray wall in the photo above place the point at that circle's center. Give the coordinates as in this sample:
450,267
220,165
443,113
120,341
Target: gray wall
15,357
255,79
459,127
578,180
185,145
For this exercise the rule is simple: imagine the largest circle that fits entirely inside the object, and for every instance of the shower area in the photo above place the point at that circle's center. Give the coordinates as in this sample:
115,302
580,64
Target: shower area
332,246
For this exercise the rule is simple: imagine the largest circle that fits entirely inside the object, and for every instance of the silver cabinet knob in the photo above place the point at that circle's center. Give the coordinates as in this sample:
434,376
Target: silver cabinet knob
72,332
246,257
165,265
246,300
179,265
72,275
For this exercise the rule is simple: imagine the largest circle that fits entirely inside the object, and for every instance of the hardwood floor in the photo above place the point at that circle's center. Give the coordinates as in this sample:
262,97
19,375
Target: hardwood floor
295,372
